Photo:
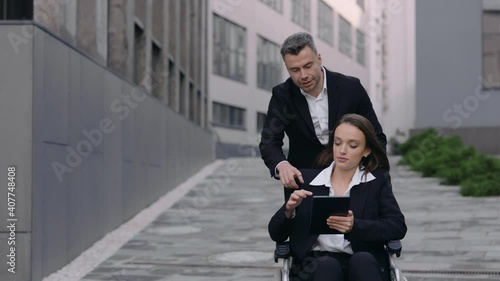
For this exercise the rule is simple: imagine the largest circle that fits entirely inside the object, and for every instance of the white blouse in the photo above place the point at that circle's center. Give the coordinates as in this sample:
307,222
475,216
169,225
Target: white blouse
336,242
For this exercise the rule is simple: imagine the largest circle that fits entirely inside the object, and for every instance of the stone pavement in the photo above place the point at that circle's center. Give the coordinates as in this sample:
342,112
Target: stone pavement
218,231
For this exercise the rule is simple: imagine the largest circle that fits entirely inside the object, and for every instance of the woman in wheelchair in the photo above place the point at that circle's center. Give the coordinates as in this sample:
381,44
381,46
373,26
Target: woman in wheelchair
355,165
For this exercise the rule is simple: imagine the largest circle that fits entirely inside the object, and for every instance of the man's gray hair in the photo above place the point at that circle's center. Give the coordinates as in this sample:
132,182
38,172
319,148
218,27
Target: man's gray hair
296,43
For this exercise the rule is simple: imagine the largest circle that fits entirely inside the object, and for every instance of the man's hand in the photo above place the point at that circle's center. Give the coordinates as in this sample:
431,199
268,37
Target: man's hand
294,201
342,224
288,173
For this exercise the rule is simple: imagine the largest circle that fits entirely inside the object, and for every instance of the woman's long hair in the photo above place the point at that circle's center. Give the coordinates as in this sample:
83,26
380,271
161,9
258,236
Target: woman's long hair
376,159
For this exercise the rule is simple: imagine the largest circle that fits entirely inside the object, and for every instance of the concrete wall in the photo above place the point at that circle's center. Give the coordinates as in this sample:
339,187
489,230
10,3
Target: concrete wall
91,150
449,67
16,123
397,114
449,92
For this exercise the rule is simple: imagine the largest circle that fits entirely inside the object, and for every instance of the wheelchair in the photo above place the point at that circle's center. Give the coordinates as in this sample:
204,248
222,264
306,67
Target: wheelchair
282,251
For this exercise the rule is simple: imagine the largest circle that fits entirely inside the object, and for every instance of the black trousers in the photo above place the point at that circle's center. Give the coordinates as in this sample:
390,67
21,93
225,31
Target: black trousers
330,266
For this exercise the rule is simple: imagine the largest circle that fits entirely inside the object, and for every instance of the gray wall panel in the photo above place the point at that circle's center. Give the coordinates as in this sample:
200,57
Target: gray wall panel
77,212
55,220
112,146
55,90
92,99
38,156
126,115
16,125
147,153
91,190
128,189
449,66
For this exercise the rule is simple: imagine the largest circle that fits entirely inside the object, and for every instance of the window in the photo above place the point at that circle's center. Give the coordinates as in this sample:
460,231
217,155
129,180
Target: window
228,116
139,54
301,13
261,118
491,48
325,22
16,10
3,9
360,47
101,32
345,40
229,49
156,67
172,85
275,4
361,4
67,21
182,94
268,64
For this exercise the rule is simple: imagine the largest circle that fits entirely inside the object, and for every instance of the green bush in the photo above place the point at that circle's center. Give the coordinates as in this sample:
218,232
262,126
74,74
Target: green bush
452,161
483,185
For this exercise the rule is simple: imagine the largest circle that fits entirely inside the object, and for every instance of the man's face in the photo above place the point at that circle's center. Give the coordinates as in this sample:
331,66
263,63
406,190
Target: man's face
305,70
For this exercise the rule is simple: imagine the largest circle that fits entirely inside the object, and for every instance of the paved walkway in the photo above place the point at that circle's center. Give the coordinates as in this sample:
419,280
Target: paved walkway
218,231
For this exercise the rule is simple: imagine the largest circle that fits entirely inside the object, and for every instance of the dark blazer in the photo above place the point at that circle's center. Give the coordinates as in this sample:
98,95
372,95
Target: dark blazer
288,113
377,218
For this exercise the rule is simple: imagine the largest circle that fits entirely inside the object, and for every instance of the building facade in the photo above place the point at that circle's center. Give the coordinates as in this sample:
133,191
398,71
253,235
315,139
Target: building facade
245,62
160,45
423,63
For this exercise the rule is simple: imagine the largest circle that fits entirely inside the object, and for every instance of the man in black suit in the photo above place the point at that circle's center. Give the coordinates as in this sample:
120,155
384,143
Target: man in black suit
306,107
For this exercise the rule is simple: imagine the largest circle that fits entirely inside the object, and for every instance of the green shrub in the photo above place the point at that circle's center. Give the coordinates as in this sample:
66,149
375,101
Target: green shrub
482,185
415,140
452,161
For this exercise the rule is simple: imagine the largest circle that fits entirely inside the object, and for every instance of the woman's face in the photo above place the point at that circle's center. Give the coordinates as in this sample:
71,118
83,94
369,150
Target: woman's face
349,146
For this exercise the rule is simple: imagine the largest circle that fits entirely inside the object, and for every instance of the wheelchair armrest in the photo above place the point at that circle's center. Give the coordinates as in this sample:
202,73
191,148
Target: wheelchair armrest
282,251
394,247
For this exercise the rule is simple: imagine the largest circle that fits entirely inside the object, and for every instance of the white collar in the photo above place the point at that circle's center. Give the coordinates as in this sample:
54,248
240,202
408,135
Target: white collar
323,178
324,86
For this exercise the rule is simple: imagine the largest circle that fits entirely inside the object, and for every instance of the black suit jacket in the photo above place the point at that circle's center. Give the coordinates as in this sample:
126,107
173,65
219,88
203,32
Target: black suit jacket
377,217
288,113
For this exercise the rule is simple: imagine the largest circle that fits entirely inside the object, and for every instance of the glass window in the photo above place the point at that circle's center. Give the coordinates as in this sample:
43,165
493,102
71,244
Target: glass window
261,118
325,22
491,48
361,4
156,67
275,4
229,49
228,116
301,13
139,54
360,47
3,4
268,64
345,40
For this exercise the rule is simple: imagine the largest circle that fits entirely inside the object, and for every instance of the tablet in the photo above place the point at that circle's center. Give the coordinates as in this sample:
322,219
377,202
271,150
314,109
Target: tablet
323,207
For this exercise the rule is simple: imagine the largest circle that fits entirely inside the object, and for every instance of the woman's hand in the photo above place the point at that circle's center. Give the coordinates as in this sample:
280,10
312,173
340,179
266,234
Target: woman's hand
340,223
294,201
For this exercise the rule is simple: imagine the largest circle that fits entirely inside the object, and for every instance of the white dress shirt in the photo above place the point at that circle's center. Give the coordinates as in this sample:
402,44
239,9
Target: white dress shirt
318,107
336,242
